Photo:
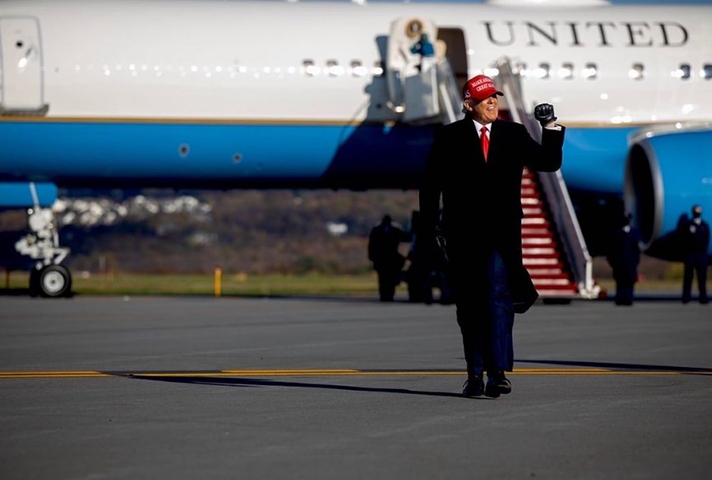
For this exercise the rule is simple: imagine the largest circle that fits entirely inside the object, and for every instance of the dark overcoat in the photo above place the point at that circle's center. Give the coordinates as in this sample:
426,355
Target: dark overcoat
481,201
695,240
383,244
624,255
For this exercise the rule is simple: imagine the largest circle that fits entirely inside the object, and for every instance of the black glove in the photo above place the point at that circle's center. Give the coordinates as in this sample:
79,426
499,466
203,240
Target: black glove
544,113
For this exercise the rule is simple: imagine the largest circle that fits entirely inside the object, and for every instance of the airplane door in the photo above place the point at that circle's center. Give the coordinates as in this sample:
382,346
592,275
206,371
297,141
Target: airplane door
454,39
21,51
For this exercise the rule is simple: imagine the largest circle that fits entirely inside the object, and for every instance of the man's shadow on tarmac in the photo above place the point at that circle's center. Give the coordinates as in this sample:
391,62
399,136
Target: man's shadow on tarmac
258,382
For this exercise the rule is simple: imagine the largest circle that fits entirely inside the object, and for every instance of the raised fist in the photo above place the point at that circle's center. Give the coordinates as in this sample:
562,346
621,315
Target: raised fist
544,113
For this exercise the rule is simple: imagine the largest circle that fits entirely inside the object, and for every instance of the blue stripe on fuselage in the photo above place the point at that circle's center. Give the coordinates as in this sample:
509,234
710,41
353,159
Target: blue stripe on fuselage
203,154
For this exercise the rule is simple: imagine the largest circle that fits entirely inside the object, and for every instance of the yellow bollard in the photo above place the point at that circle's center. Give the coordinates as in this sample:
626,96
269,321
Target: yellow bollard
218,281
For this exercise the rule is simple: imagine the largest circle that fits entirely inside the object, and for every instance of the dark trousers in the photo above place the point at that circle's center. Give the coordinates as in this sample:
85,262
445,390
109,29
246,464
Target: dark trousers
696,266
486,318
388,279
624,292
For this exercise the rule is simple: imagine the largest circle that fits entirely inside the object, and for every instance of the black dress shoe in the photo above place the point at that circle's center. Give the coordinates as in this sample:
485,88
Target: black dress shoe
474,386
497,385
504,385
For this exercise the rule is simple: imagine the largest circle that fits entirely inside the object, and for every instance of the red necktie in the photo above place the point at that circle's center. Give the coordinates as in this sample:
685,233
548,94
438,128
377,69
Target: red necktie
485,141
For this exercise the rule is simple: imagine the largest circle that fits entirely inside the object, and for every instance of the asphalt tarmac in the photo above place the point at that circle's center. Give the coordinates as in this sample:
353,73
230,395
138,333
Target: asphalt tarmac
316,388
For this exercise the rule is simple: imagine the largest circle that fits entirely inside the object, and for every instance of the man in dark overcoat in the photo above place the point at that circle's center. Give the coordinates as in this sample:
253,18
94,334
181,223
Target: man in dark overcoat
695,235
383,242
624,257
479,181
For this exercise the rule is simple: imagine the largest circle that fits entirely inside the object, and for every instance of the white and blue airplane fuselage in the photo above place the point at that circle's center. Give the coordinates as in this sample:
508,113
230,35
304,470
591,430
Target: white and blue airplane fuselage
240,94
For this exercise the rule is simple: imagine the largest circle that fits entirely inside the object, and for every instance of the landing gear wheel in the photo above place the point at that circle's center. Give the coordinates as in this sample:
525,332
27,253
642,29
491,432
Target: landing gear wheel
54,281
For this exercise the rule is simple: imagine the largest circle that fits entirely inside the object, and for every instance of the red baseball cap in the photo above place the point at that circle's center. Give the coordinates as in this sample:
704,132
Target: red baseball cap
479,88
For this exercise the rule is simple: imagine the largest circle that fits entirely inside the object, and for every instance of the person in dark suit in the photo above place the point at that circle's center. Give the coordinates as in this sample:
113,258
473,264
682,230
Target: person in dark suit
695,235
383,251
475,165
624,257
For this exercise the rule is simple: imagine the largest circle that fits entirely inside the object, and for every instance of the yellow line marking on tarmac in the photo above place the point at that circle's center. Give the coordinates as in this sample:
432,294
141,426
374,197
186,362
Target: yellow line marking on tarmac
340,372
53,374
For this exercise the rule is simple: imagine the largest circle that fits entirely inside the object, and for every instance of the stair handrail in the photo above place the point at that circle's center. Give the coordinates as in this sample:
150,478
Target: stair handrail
553,186
449,94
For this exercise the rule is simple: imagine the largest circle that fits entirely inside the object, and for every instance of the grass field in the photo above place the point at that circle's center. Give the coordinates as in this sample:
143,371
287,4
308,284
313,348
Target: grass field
252,285
224,284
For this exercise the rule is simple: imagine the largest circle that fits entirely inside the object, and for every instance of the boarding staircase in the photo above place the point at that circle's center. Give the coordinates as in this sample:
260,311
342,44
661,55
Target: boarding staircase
542,251
553,247
558,259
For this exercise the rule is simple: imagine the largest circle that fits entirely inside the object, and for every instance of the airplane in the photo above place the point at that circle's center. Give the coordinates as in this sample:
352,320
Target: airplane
230,94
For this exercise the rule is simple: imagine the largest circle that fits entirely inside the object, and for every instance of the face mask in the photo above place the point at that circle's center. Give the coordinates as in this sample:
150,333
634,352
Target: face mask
696,214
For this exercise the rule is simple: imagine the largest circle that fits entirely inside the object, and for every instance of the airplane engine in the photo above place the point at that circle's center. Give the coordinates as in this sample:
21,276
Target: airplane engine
666,174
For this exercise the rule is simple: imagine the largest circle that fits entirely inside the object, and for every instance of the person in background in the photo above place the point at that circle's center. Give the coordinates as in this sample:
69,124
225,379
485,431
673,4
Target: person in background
388,262
475,166
423,46
624,257
695,236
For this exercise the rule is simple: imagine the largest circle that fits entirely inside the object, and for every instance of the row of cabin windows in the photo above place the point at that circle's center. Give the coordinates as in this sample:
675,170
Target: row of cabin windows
590,71
543,70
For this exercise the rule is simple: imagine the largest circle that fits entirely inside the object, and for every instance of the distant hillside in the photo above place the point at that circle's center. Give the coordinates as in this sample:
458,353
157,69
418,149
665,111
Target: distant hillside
253,231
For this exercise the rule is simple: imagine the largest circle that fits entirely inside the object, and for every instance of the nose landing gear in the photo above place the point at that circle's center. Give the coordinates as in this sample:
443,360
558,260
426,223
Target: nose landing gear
47,278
